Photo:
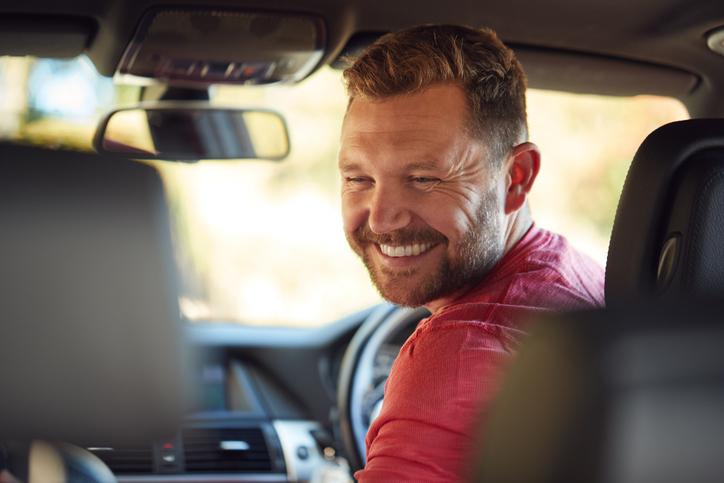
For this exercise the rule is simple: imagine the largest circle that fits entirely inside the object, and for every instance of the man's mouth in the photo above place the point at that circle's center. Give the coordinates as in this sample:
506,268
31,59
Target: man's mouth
411,250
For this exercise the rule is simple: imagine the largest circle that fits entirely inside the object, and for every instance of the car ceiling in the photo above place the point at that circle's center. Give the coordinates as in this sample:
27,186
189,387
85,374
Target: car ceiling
608,47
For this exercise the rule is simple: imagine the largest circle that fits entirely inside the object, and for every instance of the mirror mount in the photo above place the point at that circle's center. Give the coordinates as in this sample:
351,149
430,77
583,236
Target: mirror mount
163,92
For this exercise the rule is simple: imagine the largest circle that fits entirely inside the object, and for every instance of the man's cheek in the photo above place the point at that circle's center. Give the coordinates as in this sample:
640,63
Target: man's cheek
352,220
353,242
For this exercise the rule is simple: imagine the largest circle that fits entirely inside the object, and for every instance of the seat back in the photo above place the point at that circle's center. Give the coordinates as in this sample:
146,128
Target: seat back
90,338
669,226
629,395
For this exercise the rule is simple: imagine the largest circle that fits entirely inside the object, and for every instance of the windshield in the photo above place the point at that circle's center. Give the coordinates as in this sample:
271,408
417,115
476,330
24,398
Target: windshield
260,242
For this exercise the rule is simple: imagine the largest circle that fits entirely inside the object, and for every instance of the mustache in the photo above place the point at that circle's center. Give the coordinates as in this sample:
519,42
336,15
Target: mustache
399,237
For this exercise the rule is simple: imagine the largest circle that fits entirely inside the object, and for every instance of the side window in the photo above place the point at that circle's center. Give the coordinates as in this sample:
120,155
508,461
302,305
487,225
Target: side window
587,143
246,246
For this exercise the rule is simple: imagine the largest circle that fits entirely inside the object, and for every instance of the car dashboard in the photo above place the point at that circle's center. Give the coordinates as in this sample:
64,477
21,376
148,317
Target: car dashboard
265,407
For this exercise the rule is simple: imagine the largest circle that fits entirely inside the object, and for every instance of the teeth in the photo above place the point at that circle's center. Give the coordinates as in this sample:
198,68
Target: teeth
405,250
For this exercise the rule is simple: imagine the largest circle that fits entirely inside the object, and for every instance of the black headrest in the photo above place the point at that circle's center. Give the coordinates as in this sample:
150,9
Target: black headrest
669,226
90,338
612,396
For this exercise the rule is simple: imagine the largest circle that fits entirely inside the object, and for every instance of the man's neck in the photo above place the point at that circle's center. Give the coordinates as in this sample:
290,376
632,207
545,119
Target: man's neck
518,225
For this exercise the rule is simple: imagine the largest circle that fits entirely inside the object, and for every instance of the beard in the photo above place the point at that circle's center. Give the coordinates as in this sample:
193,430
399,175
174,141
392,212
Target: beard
478,251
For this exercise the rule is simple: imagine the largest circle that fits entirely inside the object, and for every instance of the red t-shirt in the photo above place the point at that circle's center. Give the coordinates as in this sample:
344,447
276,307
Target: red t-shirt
450,367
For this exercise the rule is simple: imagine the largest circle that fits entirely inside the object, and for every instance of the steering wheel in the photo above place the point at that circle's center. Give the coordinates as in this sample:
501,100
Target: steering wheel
365,367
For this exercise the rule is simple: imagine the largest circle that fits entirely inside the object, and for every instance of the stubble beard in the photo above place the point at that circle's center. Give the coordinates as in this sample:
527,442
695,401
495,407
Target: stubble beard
478,252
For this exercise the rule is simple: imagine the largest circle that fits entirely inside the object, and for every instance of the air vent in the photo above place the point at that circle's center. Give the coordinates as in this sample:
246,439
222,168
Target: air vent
221,450
125,459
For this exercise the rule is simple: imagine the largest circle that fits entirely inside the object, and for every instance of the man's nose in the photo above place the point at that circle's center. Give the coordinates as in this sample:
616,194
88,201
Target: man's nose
389,210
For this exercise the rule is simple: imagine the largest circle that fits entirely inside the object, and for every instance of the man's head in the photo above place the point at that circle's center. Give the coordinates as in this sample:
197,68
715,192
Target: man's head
433,160
491,77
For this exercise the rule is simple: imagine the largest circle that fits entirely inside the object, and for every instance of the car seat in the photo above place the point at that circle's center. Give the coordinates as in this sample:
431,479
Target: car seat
667,235
90,339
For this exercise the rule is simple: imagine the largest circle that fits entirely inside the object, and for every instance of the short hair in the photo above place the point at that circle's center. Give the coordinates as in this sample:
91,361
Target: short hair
411,60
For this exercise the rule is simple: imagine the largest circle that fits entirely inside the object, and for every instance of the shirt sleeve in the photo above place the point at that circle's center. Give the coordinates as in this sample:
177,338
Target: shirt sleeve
439,387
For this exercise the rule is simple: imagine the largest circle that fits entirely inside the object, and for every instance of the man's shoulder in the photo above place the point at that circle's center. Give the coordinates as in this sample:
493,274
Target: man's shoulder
550,250
555,272
544,272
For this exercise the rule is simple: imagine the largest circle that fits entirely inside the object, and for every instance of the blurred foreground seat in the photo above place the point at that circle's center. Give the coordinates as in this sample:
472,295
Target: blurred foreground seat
627,396
90,333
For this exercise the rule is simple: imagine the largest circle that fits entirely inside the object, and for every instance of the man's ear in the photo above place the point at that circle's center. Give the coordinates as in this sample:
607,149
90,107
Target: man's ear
523,165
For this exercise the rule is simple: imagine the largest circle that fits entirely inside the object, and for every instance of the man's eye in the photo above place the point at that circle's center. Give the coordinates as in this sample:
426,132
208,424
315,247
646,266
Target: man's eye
356,180
424,180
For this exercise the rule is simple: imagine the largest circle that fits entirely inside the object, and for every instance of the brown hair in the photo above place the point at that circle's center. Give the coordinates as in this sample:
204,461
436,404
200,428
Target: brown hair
413,59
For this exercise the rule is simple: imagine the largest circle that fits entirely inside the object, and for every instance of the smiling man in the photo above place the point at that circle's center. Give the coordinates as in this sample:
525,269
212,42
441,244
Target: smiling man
436,169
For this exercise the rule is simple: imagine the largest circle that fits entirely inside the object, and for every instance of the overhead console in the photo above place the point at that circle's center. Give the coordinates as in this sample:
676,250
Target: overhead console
201,47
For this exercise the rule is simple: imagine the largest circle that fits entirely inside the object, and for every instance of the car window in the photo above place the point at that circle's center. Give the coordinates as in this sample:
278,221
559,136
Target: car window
261,242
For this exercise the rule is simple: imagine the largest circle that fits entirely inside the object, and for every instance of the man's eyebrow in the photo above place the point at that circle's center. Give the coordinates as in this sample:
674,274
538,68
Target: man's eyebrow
345,165
422,166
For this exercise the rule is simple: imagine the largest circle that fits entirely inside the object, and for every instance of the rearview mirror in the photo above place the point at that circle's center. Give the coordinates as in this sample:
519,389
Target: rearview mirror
176,131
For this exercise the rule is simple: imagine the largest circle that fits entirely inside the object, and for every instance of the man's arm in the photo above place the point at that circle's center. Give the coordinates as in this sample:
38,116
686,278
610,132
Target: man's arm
444,376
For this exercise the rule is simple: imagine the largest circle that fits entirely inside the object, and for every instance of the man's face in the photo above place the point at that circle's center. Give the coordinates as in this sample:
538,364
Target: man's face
422,205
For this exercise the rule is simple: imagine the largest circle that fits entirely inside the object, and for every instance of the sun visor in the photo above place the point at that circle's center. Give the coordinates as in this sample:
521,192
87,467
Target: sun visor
593,74
44,36
571,71
202,47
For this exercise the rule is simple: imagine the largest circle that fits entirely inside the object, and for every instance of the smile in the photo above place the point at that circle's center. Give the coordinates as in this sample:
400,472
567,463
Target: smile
405,250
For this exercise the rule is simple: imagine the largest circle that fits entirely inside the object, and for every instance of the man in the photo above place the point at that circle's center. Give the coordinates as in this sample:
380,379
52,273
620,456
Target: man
436,169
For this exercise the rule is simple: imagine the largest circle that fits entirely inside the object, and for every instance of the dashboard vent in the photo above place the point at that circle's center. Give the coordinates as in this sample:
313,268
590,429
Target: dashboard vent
221,450
126,459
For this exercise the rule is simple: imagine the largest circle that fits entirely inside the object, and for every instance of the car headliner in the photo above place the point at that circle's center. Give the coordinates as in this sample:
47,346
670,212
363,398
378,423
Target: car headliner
618,47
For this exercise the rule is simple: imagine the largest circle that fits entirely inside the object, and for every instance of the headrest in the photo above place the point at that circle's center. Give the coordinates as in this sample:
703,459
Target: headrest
669,226
630,395
90,338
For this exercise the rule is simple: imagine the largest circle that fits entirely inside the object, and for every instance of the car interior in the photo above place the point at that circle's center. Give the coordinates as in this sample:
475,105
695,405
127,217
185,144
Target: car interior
107,374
